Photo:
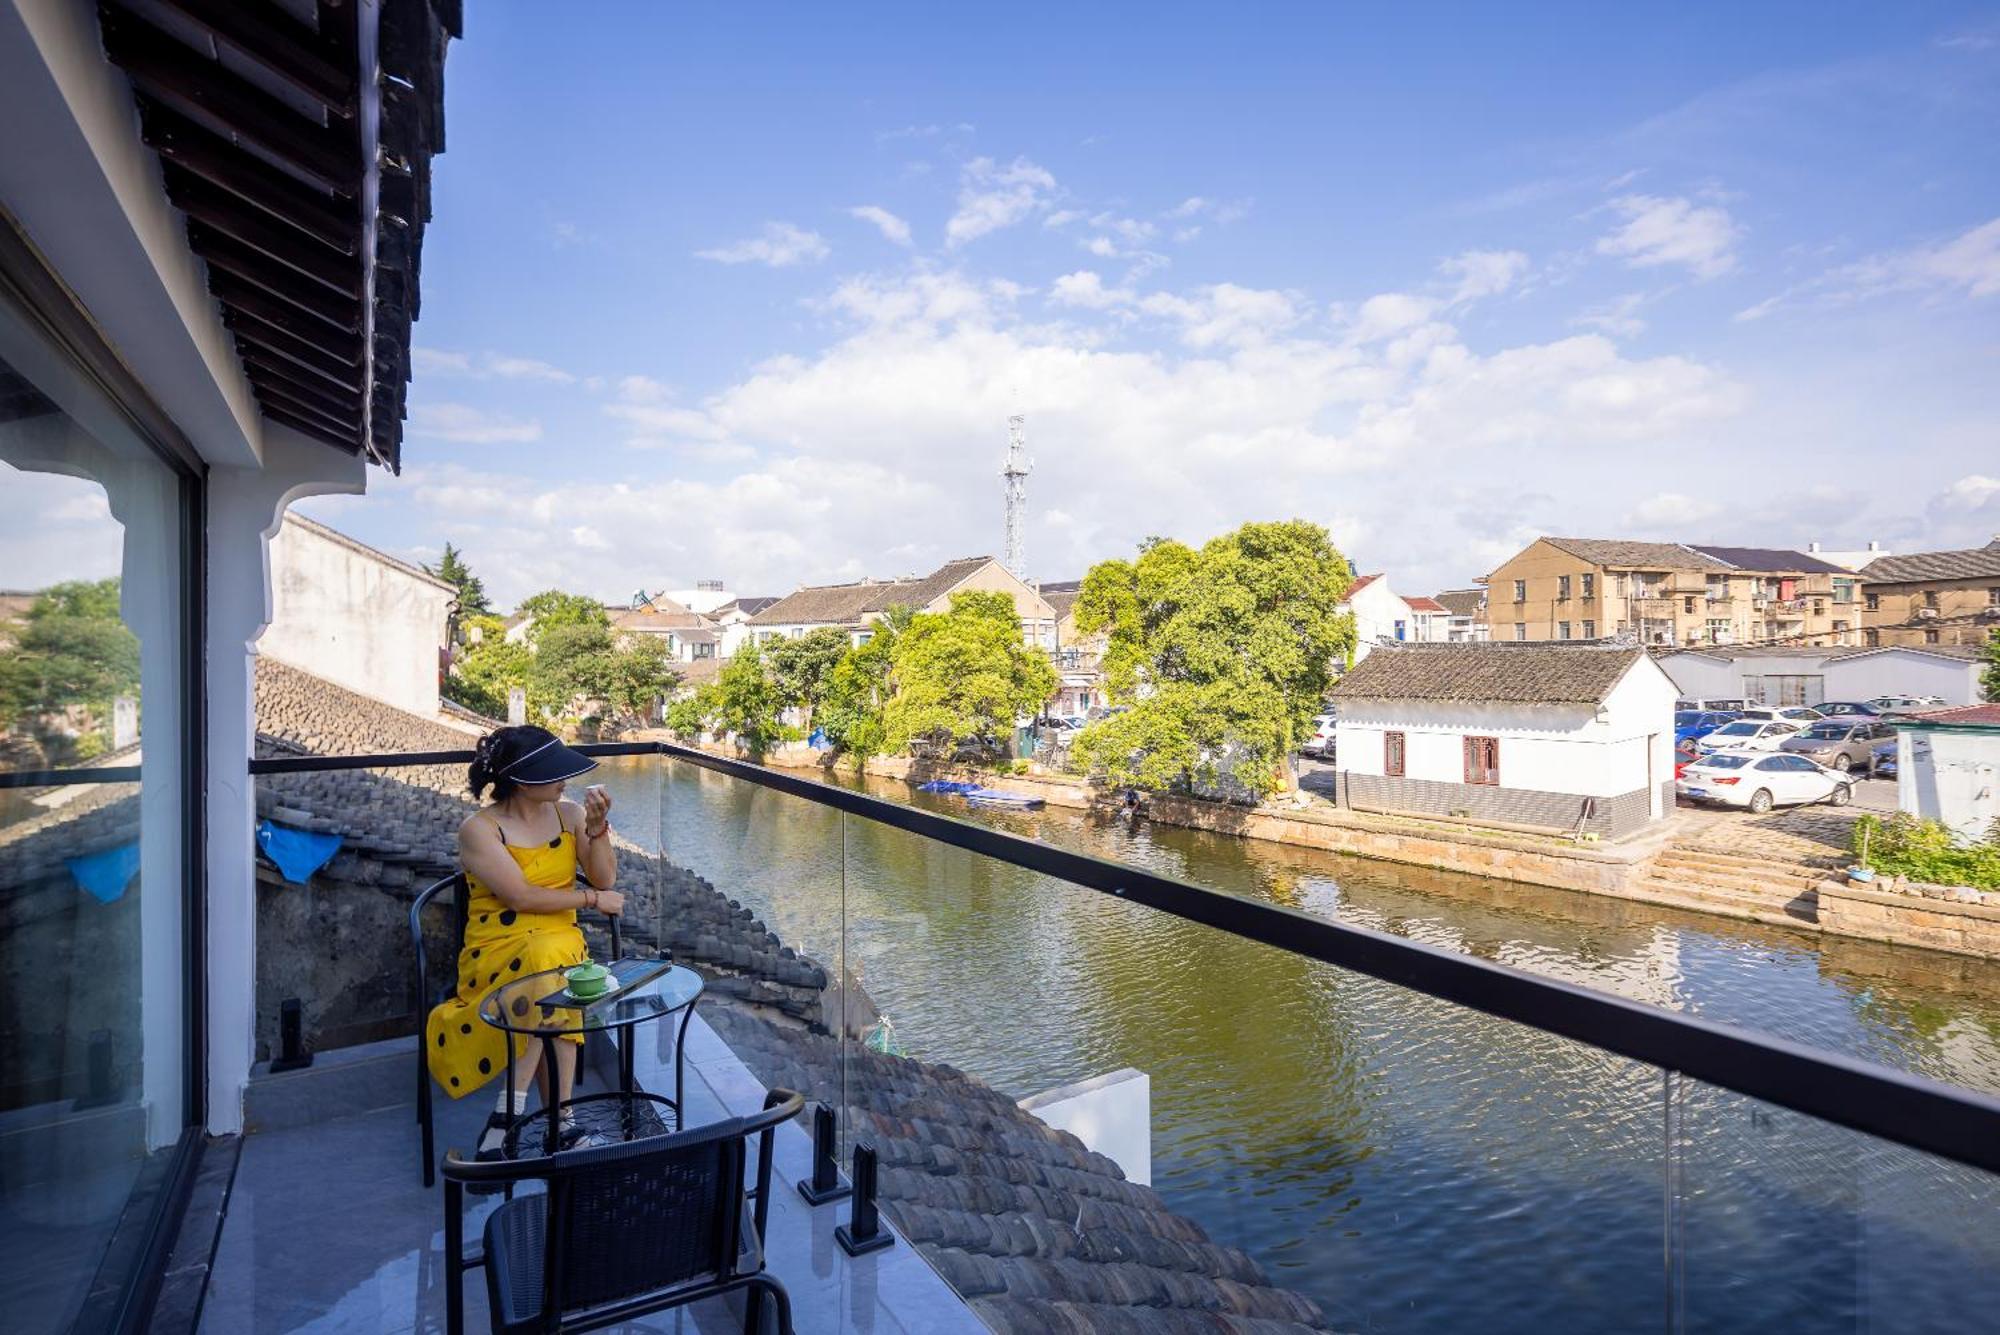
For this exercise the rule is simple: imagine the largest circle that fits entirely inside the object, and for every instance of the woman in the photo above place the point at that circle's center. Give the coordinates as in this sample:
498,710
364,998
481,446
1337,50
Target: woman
520,855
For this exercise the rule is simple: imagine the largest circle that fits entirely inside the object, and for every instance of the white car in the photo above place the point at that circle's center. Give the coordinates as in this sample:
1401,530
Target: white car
1749,734
1320,741
1798,714
1887,703
1760,780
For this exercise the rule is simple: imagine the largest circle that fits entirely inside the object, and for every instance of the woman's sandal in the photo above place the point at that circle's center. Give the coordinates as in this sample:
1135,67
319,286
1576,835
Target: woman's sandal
495,1121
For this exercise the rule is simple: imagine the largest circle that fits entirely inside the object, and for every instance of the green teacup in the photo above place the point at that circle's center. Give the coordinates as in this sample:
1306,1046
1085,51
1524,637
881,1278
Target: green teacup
587,979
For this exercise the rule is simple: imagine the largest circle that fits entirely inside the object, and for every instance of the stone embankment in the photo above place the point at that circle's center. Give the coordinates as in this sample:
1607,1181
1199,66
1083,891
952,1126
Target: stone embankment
1785,869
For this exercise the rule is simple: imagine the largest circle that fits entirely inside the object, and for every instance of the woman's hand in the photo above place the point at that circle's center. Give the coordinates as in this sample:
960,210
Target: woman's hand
596,810
611,902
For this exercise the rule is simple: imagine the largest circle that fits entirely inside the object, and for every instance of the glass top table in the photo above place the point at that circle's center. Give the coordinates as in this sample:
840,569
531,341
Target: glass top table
539,1006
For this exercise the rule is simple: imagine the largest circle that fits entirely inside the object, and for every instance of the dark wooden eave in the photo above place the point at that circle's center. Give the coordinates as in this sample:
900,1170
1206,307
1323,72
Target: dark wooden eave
270,141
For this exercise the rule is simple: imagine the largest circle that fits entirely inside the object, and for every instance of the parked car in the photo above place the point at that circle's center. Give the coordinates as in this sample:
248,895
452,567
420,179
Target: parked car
1891,704
1759,781
1693,723
1798,714
1847,709
1319,742
1884,764
1839,743
1749,734
1685,754
1725,706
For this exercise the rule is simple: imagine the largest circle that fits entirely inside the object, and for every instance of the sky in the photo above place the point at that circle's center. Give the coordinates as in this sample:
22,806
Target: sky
748,293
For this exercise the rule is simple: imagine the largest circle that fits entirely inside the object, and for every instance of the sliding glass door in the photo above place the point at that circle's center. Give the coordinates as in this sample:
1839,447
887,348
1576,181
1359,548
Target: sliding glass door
98,793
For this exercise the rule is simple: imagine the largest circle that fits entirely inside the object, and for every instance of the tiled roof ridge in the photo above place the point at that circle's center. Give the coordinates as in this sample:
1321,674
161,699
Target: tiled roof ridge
1955,563
1491,672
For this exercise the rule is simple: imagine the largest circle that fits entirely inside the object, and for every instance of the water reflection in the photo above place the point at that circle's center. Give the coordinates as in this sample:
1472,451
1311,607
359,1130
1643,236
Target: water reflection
1410,1164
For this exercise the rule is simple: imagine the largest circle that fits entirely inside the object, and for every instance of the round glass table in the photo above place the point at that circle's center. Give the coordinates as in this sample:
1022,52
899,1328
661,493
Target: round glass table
539,1007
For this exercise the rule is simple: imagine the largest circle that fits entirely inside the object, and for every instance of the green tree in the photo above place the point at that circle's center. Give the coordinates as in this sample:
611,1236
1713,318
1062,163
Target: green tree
641,673
1990,679
451,568
964,674
801,669
552,609
1222,655
860,687
482,674
72,658
742,700
687,715
573,661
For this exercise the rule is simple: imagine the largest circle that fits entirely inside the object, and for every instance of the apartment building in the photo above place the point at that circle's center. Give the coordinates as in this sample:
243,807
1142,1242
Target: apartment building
1668,593
1933,597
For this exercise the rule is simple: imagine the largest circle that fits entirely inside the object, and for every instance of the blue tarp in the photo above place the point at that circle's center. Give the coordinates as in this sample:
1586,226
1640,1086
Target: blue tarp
297,853
818,741
104,876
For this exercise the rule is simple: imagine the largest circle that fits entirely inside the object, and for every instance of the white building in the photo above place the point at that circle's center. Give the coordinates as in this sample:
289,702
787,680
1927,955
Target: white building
706,597
355,616
1430,620
732,623
1948,769
1849,560
1379,614
1539,735
1792,675
1466,613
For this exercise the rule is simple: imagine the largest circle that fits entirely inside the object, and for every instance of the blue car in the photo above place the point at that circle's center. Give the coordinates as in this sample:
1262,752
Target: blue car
1694,724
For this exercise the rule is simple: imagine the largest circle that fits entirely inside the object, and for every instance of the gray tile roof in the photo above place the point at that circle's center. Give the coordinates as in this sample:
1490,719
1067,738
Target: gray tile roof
1462,602
847,604
1532,672
1771,559
1651,555
1035,1231
1975,563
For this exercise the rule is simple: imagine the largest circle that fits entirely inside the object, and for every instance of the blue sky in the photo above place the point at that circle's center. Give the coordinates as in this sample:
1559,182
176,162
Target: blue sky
712,293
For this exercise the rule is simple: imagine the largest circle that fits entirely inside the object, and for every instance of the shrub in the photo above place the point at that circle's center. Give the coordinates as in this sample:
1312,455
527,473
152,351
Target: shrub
1923,850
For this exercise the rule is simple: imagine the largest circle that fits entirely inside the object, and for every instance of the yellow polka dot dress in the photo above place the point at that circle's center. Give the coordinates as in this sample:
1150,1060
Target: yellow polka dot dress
501,944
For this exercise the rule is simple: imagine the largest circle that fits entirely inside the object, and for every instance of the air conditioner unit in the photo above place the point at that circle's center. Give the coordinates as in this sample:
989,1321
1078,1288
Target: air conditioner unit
1927,614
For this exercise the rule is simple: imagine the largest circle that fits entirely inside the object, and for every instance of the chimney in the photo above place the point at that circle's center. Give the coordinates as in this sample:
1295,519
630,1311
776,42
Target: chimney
1812,547
1874,546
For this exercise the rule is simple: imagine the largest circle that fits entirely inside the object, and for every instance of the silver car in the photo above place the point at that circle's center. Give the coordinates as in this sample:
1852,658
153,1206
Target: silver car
1840,743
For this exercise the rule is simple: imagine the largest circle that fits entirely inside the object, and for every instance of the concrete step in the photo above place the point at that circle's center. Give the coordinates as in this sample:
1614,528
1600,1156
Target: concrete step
1779,910
1762,882
1751,874
1680,856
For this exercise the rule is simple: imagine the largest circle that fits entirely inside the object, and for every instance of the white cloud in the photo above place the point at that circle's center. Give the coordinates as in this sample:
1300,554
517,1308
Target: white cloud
875,453
1974,491
486,366
1188,207
1484,273
1670,511
468,425
1390,313
891,227
1966,265
1618,317
1661,231
992,196
780,245
1086,289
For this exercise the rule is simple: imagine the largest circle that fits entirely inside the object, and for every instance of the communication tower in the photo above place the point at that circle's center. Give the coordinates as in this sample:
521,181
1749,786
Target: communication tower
1016,475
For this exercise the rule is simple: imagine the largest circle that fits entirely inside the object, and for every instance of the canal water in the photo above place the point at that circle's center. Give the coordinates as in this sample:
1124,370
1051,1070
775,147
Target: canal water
1411,1165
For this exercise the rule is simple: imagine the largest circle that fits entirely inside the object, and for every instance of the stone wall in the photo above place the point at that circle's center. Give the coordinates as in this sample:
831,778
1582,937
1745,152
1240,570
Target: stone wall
1615,817
1904,919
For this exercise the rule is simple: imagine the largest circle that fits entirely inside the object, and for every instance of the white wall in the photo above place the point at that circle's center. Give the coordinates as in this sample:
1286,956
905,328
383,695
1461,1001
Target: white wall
1899,672
342,612
1953,777
1376,611
1592,752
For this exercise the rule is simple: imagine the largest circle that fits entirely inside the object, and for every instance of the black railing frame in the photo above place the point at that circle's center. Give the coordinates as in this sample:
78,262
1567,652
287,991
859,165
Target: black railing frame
1911,1110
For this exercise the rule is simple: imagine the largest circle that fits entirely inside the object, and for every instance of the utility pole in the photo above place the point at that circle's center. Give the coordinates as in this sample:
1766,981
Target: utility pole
1016,475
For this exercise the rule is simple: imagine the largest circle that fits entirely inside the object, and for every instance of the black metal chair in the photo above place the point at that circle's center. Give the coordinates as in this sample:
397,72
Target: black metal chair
622,1230
427,998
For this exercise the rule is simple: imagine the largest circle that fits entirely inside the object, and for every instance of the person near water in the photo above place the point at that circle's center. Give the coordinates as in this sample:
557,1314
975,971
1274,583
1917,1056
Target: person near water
520,853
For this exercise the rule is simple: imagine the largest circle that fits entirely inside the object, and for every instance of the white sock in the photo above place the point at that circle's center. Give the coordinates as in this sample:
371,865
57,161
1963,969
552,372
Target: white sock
512,1102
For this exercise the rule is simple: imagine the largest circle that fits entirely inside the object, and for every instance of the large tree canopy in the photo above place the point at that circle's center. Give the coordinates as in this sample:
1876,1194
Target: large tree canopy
964,674
802,669
859,688
552,609
1221,654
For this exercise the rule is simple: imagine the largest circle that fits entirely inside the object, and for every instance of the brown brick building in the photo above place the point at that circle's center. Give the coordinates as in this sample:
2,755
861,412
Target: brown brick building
1669,593
1934,597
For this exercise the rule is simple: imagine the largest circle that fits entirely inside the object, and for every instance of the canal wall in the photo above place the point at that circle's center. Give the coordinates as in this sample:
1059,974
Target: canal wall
1651,869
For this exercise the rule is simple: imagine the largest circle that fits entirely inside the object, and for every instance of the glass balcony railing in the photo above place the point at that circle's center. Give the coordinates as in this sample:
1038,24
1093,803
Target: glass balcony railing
1094,1085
